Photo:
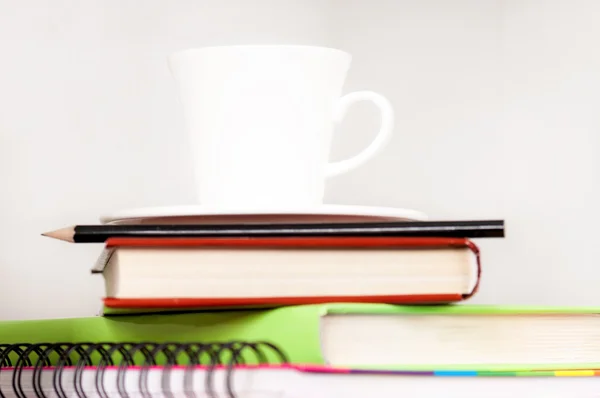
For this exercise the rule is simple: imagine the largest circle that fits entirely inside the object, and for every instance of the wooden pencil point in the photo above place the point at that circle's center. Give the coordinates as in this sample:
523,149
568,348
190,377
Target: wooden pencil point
65,234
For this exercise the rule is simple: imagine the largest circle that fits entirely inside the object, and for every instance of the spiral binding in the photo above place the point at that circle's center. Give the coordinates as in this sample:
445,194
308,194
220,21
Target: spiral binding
40,356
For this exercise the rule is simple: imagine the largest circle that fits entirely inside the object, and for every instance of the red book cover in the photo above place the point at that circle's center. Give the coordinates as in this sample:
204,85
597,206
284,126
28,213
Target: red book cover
291,242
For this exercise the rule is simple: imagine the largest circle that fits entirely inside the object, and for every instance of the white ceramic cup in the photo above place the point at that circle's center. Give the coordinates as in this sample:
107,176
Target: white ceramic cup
260,122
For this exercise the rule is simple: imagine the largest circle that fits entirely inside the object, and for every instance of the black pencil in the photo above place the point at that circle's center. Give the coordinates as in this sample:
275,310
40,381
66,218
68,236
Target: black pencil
448,229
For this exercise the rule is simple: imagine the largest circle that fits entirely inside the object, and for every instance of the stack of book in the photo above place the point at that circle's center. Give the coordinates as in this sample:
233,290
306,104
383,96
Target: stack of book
162,267
237,266
320,310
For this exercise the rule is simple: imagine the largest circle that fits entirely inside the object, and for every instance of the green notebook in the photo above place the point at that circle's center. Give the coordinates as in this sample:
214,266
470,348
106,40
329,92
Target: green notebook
362,335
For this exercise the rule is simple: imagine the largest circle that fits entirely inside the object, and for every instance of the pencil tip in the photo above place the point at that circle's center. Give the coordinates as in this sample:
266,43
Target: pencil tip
65,234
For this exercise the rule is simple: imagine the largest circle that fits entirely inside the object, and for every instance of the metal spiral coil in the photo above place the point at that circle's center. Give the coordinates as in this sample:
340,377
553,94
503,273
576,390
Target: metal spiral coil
99,356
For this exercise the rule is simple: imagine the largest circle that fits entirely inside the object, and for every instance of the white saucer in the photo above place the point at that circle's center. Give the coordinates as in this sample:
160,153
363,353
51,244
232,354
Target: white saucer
211,215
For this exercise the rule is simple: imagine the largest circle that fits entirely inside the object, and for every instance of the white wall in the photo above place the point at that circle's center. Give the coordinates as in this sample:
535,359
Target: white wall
497,118
551,147
498,107
90,124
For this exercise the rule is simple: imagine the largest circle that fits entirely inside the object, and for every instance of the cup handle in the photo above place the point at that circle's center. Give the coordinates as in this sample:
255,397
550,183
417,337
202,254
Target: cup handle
382,138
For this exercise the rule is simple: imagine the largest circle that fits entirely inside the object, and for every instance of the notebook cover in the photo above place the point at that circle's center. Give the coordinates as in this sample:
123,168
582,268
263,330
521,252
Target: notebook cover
445,373
296,330
315,243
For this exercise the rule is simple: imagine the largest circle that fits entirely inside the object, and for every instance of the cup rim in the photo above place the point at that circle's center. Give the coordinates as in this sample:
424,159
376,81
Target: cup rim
197,50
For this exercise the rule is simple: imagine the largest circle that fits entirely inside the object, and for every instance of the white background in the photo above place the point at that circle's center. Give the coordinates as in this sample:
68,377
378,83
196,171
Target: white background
498,116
